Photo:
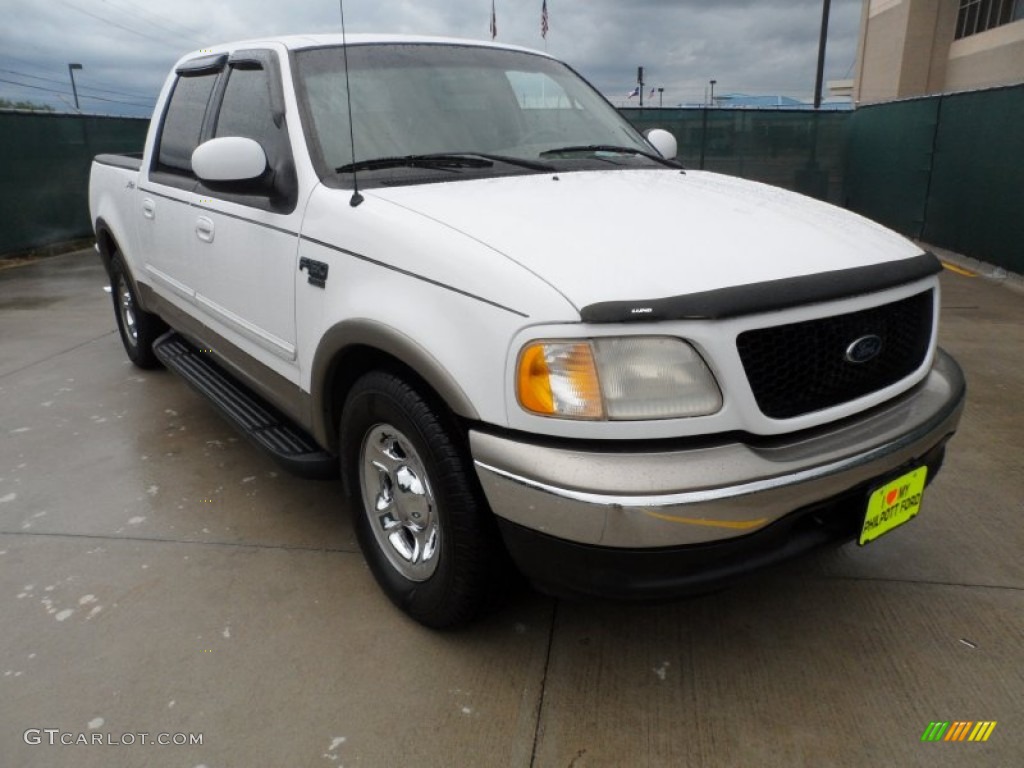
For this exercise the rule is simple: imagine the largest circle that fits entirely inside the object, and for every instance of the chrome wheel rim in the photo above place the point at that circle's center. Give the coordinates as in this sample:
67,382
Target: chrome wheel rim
126,307
399,502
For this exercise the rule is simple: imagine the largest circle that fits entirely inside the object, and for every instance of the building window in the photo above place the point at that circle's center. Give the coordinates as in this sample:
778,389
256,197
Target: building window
979,15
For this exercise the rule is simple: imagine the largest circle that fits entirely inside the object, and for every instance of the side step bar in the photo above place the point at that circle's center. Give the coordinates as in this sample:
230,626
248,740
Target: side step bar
289,444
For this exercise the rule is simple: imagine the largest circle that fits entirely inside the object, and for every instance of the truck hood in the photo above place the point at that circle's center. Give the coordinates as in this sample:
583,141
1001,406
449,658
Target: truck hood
633,235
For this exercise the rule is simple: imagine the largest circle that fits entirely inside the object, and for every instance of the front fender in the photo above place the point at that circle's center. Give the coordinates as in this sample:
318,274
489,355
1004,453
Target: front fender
366,334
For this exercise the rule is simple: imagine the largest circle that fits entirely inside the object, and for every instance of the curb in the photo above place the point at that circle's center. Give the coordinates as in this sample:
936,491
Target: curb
991,272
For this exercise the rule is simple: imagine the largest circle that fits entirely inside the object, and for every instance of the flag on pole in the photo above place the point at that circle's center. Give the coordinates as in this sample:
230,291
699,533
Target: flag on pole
544,20
634,92
494,22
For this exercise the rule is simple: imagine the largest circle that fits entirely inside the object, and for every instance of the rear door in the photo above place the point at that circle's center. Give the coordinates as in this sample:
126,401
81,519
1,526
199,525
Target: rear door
165,217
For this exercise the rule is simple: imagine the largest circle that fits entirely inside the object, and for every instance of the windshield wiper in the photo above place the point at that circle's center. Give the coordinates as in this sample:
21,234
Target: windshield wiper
594,148
443,161
533,165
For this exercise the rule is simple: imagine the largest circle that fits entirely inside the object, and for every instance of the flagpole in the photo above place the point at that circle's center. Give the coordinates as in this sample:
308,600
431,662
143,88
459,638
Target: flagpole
544,26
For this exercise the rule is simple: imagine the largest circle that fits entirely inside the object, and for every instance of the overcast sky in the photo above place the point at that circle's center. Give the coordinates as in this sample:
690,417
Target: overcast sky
126,47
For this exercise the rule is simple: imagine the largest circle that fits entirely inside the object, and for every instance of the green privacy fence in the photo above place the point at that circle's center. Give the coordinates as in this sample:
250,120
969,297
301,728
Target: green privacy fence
799,150
946,169
889,153
976,196
45,172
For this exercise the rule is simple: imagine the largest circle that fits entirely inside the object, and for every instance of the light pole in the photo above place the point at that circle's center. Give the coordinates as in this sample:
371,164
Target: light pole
713,91
821,53
661,96
74,90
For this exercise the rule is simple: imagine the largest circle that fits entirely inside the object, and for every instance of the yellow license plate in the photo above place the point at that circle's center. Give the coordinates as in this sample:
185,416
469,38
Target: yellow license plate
893,504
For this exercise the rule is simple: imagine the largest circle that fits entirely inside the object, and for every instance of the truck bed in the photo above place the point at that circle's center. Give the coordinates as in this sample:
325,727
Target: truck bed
130,162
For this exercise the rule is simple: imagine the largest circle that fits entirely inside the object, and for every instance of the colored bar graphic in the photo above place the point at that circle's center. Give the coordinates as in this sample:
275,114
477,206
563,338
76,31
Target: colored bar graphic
982,731
958,730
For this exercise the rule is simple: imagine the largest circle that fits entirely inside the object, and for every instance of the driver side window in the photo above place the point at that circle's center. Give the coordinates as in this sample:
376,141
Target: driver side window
246,110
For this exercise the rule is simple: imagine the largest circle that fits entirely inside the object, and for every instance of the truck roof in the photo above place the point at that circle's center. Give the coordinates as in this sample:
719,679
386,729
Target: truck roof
297,42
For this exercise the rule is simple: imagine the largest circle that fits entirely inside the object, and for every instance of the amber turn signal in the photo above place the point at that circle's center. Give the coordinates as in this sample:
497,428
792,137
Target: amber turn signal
559,378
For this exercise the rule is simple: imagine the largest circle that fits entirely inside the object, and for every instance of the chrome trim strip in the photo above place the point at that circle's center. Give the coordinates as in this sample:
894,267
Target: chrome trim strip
255,334
169,282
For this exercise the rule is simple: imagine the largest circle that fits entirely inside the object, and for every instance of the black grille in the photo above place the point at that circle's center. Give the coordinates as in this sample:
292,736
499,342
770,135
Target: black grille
802,367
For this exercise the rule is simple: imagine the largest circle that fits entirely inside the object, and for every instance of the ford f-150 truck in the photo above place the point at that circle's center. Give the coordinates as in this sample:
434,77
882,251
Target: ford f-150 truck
452,273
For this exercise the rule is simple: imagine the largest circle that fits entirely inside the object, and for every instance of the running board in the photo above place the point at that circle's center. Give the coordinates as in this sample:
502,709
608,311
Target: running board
289,444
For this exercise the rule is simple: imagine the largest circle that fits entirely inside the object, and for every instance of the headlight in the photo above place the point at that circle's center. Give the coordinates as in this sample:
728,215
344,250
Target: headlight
629,378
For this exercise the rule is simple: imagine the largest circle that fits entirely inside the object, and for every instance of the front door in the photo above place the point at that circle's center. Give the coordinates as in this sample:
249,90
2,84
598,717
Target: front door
246,236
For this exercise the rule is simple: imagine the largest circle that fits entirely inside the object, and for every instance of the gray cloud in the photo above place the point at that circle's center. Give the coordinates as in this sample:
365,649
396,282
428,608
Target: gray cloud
127,46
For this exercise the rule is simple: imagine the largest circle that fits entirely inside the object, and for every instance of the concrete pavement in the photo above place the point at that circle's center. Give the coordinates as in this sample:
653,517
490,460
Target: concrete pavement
160,575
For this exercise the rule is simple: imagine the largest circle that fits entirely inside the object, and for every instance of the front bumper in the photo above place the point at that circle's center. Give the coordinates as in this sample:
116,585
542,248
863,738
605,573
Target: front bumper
627,507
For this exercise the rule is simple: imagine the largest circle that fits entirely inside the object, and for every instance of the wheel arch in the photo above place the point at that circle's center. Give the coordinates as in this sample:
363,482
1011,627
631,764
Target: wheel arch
353,347
106,243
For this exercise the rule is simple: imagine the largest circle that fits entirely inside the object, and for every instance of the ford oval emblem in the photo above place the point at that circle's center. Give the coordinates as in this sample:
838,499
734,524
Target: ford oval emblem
864,349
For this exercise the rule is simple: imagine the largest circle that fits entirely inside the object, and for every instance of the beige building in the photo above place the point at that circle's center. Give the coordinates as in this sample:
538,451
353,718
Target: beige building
916,47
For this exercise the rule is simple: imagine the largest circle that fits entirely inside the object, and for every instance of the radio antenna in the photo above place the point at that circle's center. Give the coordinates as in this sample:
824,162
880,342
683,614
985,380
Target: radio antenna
356,197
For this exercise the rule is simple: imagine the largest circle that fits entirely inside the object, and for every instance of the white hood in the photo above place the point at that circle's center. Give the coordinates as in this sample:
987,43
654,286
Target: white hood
633,234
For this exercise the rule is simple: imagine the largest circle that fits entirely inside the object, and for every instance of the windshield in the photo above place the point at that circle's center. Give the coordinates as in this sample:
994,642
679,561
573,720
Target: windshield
415,100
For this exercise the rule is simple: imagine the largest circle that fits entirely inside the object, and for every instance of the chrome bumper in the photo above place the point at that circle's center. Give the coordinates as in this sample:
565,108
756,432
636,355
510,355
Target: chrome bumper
691,496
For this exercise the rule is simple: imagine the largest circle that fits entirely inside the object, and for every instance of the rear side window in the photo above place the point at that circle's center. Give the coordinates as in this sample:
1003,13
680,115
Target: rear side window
184,122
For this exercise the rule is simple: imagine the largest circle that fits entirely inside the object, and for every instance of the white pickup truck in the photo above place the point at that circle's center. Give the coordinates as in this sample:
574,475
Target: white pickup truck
451,272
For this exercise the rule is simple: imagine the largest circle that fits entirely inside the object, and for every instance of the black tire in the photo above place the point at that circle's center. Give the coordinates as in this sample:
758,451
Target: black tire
397,443
138,328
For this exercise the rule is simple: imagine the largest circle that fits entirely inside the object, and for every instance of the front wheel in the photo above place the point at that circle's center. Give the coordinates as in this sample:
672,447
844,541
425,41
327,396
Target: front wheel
138,328
419,513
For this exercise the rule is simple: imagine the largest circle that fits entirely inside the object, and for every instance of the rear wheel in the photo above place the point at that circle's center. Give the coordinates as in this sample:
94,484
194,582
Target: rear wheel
419,513
138,328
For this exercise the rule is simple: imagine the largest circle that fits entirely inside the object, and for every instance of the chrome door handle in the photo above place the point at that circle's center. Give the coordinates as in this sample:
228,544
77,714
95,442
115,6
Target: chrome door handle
148,208
204,229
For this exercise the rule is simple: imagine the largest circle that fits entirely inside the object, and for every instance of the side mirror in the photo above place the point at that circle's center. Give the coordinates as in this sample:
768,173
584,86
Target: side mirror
231,158
664,142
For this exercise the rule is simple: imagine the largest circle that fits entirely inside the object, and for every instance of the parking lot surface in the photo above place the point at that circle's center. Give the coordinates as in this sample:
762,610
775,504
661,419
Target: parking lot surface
161,576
